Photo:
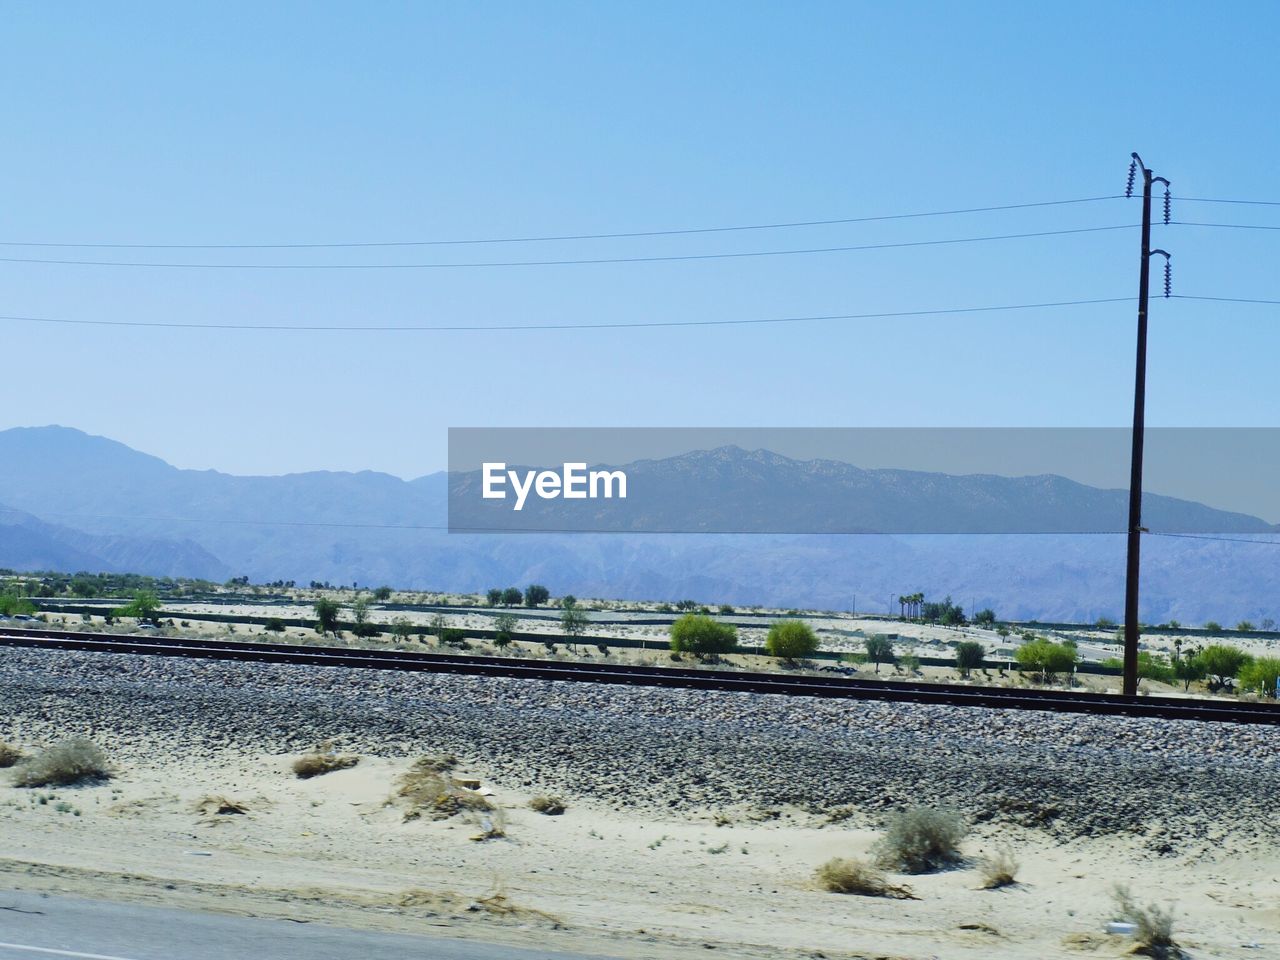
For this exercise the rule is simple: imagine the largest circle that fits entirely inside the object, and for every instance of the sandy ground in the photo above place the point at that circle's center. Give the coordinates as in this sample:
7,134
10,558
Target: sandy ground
336,848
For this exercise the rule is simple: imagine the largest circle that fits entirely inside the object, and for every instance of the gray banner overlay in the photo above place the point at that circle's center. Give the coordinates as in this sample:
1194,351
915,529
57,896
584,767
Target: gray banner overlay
859,480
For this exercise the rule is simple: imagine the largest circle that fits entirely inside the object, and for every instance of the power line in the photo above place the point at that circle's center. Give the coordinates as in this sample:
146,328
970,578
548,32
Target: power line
1225,226
1249,203
555,238
1205,536
1187,296
560,263
640,324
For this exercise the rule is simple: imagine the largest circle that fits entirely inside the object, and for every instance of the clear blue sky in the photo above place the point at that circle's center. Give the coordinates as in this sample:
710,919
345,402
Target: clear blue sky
315,122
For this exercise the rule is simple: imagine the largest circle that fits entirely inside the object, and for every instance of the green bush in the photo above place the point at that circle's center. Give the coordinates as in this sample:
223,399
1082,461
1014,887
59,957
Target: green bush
699,634
504,628
1261,675
879,649
1221,663
791,640
1045,657
12,605
326,615
970,656
274,625
144,606
922,839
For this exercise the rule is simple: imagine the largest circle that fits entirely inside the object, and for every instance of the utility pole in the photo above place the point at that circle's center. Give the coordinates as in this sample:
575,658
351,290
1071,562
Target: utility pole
1135,529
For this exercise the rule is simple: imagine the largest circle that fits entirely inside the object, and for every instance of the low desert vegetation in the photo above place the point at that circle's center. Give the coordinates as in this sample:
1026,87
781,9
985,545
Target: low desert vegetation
548,806
321,762
64,764
220,806
1155,925
703,636
879,649
430,789
857,877
921,840
9,755
999,870
1045,658
791,640
970,656
1260,676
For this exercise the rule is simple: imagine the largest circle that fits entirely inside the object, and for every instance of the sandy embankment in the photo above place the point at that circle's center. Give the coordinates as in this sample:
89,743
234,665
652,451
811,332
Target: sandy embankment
693,818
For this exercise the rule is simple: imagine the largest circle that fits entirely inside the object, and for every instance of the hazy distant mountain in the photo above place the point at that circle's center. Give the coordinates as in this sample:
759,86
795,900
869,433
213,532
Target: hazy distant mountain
731,490
374,528
27,543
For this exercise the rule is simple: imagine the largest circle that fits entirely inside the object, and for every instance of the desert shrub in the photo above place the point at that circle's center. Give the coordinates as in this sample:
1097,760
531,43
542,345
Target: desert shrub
1000,870
791,640
1221,663
922,839
273,625
695,633
970,655
1155,924
220,806
550,806
429,788
1213,626
909,663
62,765
879,649
504,628
9,754
320,763
1045,657
1260,675
859,878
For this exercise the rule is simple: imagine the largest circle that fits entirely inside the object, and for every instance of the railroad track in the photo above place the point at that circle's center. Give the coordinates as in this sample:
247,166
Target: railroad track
1061,701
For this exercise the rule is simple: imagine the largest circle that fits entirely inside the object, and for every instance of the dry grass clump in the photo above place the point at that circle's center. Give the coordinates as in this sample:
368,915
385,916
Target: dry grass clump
319,763
220,806
62,765
496,903
860,878
9,755
430,789
1000,870
922,839
1155,925
548,806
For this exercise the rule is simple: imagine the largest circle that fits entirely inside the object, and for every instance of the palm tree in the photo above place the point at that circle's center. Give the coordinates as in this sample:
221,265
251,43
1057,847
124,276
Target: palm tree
902,606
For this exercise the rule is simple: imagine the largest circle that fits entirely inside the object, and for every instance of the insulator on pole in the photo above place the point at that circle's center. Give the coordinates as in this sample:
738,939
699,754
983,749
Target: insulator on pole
1133,172
1168,205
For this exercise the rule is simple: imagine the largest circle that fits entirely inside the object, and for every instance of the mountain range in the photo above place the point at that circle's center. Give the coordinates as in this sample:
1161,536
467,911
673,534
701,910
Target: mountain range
73,501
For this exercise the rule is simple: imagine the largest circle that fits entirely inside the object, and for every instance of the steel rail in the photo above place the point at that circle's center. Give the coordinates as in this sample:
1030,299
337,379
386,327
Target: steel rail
1061,701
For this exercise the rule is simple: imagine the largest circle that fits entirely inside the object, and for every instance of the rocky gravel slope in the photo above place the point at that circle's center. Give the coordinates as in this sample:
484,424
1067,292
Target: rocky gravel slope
1177,784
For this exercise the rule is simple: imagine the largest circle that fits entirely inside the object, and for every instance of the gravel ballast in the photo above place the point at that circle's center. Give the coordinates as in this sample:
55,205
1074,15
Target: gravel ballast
1171,782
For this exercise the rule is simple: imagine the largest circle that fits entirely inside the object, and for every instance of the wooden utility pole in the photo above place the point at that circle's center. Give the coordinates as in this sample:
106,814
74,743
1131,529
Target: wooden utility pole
1135,528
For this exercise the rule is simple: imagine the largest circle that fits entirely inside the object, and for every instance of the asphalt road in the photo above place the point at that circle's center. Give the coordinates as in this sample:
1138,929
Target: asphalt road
39,927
